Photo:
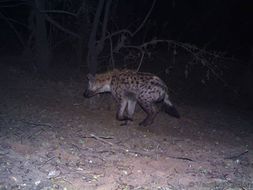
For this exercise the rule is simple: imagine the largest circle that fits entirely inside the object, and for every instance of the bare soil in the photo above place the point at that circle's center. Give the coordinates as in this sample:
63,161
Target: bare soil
53,138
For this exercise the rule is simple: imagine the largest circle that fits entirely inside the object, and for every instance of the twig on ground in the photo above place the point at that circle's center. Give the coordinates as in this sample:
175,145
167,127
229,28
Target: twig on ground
94,136
36,134
102,139
181,158
77,147
237,155
61,178
44,163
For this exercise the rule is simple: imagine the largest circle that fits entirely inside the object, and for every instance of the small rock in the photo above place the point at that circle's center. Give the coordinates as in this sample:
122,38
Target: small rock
53,173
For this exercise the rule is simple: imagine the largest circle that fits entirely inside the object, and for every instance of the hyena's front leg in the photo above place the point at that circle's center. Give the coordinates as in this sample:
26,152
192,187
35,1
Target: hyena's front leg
130,108
121,112
151,110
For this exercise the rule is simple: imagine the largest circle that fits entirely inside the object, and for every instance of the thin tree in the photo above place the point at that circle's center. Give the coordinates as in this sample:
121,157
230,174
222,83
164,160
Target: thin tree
95,46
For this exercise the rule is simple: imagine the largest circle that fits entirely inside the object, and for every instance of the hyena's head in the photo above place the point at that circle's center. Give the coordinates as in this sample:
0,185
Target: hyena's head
97,84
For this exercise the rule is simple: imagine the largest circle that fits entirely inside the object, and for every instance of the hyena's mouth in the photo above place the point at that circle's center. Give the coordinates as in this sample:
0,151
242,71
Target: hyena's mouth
88,94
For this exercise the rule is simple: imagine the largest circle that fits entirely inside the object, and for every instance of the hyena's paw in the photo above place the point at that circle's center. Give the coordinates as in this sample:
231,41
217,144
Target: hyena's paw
124,123
146,122
124,118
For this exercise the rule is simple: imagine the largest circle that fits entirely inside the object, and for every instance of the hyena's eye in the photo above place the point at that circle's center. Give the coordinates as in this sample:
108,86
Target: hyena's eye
92,84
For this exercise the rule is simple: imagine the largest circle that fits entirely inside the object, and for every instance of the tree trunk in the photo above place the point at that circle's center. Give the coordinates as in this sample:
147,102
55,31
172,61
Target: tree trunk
42,51
95,46
83,33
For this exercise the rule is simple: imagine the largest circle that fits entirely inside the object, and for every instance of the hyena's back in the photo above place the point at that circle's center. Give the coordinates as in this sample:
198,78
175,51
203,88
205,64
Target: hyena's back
129,87
142,86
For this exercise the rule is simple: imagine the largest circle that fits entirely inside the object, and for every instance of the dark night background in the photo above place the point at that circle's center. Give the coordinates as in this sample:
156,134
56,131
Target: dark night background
224,27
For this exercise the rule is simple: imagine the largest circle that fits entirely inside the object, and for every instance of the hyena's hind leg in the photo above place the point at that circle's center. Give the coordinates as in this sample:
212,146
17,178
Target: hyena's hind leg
151,110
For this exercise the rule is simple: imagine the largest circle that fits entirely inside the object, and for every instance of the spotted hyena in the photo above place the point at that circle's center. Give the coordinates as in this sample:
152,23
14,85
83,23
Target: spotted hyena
129,87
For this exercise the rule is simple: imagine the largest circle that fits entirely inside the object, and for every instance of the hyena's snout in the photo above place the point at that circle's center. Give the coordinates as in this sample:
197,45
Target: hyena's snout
87,93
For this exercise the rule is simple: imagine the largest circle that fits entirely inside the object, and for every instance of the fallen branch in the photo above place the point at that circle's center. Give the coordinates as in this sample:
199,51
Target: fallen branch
181,158
236,156
102,139
44,163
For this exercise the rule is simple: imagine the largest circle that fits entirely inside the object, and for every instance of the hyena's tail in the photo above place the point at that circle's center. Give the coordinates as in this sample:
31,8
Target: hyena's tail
169,107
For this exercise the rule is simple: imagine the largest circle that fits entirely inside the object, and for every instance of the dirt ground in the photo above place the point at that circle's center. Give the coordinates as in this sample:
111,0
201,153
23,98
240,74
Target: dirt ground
53,138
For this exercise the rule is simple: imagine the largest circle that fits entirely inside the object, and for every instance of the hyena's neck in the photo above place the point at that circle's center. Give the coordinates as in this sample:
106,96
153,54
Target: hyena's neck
105,81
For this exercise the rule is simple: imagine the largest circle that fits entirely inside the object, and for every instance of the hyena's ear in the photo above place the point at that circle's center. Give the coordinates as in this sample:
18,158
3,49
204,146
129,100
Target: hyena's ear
90,77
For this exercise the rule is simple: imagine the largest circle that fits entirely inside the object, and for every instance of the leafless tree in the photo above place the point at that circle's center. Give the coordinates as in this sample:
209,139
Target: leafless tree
95,46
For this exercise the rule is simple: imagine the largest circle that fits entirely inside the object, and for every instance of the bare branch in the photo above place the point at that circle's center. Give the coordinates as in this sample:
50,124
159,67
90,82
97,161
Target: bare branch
4,1
145,19
234,157
59,11
13,5
57,25
120,32
198,54
13,28
142,55
111,50
15,21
